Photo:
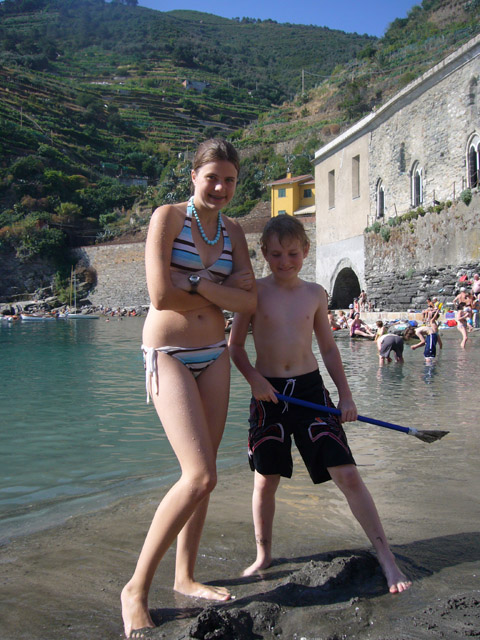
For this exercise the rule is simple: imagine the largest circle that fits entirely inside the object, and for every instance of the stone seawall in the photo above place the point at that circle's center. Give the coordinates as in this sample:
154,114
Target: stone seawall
120,269
423,257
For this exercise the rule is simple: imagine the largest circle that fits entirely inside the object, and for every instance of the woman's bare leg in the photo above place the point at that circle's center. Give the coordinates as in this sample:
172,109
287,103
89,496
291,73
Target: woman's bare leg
463,331
216,376
181,412
263,508
365,334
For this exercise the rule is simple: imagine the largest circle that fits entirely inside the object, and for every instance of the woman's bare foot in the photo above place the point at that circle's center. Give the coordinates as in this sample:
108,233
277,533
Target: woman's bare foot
396,579
199,590
135,613
258,565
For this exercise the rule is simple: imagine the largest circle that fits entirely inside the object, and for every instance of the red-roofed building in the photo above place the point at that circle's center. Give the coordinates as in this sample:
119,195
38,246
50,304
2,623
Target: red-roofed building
293,196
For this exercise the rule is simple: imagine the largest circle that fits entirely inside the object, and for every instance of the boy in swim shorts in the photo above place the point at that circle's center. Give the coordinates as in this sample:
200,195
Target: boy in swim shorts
429,338
289,310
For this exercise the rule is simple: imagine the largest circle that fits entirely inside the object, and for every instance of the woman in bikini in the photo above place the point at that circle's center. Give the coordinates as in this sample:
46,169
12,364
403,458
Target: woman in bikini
463,326
359,328
197,264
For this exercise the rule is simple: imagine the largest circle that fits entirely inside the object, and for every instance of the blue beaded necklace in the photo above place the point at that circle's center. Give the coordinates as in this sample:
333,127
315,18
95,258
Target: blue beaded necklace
200,228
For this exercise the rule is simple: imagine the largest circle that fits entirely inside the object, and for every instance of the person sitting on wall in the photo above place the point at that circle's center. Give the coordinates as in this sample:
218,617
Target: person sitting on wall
342,319
426,313
332,321
358,328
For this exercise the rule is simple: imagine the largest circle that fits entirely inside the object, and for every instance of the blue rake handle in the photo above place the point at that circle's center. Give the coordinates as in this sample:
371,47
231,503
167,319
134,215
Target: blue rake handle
380,423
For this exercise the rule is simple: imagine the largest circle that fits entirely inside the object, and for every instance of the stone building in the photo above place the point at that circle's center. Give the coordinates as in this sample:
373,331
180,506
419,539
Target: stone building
420,148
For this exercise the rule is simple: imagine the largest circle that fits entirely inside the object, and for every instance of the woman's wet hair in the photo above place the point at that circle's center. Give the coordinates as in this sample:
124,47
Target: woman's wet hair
214,150
285,227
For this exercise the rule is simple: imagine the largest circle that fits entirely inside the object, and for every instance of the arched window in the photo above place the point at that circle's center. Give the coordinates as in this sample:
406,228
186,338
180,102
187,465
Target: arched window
473,162
380,199
416,178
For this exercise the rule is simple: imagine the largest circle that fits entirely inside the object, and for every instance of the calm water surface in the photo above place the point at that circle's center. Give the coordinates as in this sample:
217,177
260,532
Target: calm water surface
76,433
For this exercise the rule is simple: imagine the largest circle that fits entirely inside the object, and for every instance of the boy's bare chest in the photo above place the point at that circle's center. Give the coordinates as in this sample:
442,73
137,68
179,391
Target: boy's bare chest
287,310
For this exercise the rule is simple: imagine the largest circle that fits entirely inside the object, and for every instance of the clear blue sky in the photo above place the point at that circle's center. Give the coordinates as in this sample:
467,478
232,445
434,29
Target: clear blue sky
362,16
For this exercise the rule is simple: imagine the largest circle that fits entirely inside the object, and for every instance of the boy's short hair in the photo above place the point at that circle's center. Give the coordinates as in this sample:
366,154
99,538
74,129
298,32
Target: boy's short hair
285,227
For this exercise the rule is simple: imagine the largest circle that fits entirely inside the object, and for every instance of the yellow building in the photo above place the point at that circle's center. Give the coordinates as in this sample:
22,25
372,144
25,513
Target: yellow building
293,196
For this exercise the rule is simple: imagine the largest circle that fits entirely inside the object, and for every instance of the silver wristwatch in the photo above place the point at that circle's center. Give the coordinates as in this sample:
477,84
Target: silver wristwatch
194,282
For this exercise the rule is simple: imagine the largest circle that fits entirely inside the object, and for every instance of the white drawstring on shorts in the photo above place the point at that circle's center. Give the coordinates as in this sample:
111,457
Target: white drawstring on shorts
288,383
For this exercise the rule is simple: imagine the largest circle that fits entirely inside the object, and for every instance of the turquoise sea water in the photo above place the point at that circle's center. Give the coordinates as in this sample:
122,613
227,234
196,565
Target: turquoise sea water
76,433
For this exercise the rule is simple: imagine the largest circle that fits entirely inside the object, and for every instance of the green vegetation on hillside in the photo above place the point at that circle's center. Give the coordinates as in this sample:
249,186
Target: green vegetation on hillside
411,46
92,102
97,127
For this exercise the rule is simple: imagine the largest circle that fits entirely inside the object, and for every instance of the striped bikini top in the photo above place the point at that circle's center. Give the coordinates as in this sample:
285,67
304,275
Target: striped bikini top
185,255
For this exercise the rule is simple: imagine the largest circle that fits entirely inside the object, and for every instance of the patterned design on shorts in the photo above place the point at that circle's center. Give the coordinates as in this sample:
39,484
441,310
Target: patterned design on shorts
316,430
320,438
272,432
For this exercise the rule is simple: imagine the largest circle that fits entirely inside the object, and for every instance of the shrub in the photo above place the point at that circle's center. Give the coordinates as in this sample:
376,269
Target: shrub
46,242
27,167
385,233
61,287
410,215
107,218
376,227
68,212
466,196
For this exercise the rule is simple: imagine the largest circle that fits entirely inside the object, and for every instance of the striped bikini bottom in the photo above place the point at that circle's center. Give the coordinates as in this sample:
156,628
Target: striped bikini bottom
196,359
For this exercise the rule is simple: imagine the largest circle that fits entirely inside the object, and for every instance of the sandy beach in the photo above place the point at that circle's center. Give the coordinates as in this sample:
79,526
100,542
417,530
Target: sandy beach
325,584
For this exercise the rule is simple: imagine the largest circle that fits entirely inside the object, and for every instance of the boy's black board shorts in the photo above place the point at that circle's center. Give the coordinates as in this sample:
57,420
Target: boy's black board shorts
319,436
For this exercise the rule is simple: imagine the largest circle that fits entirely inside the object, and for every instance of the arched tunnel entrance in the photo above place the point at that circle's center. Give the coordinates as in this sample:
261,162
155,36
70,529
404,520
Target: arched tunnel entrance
345,289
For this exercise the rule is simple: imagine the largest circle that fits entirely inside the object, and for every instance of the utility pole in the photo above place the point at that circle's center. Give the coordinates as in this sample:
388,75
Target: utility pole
303,82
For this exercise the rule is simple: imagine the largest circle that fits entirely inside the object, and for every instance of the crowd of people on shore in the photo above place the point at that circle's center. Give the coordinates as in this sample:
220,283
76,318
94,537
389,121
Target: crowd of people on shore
463,312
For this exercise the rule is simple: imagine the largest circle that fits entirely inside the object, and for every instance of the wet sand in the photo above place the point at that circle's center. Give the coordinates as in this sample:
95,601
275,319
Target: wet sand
325,583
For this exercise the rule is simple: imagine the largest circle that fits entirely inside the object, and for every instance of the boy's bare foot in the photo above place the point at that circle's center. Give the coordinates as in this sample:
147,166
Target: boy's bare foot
135,614
396,579
199,590
258,565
